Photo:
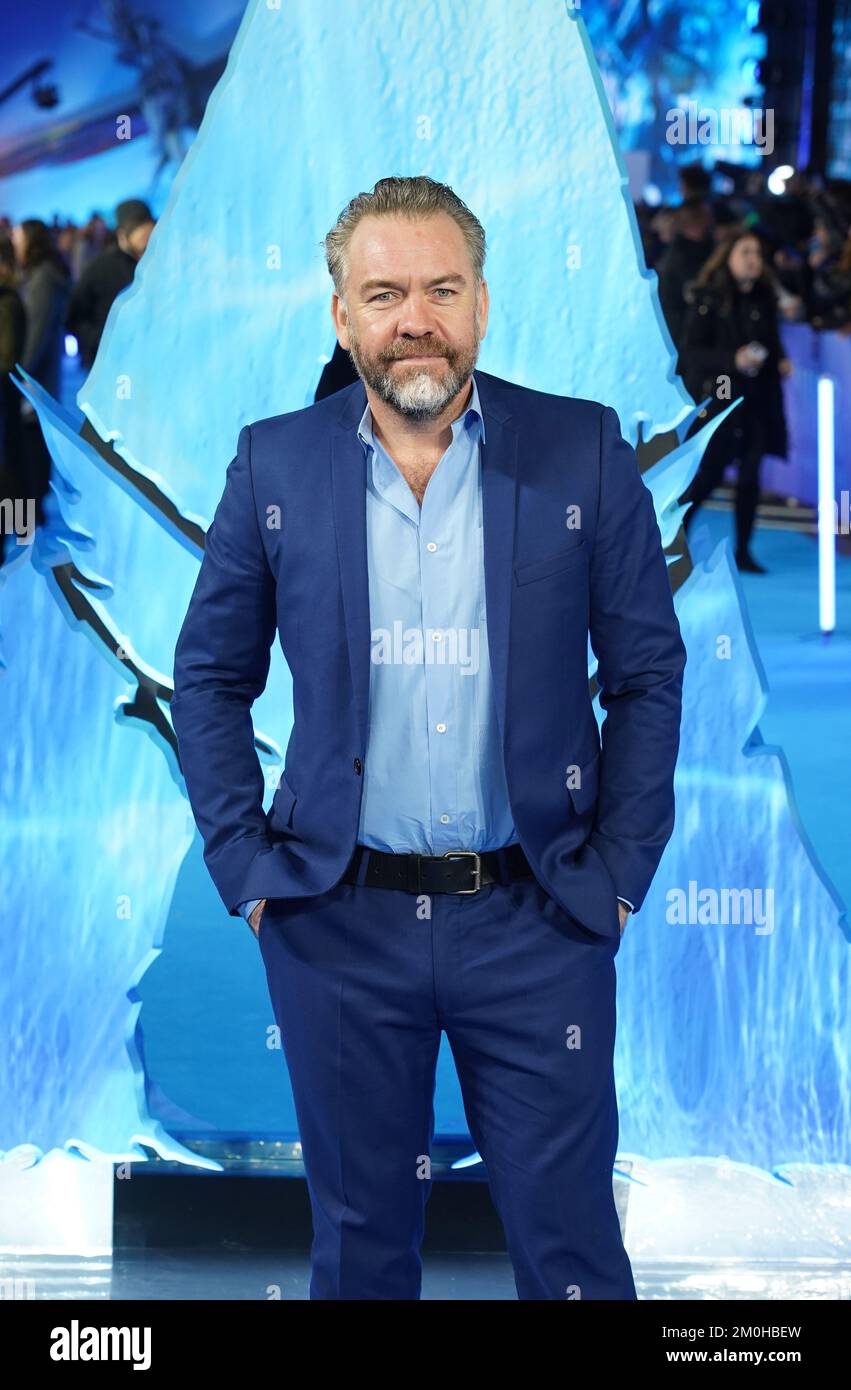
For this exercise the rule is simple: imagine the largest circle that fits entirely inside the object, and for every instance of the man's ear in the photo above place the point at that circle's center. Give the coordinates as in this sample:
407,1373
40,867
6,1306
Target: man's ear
338,313
484,299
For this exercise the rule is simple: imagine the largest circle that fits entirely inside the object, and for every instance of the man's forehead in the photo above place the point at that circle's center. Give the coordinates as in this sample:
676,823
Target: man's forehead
378,236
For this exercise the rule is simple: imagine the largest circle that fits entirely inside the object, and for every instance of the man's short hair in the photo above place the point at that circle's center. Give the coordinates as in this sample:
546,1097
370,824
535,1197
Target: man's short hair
415,198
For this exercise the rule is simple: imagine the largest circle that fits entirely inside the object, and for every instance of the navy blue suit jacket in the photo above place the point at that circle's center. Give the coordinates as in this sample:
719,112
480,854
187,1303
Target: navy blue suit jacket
547,587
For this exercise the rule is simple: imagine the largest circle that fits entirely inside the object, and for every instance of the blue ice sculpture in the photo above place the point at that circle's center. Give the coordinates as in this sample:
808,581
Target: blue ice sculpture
228,321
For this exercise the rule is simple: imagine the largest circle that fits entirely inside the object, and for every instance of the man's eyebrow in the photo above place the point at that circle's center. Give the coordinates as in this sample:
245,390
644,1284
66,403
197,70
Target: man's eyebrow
453,279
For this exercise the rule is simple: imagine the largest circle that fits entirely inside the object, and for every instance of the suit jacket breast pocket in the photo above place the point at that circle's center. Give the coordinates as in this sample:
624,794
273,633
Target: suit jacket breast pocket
569,558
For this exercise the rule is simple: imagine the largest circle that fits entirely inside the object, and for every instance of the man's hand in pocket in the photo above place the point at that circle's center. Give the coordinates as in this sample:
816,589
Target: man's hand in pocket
254,919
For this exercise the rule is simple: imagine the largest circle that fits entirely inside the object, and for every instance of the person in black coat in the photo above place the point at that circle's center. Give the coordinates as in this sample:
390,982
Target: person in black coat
731,347
44,284
336,374
106,275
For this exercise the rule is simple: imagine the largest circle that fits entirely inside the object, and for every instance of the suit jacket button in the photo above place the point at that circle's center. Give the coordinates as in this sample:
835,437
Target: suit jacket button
358,766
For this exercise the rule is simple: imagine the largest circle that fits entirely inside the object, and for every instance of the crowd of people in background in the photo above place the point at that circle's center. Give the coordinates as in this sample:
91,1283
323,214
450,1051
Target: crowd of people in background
730,268
804,232
54,281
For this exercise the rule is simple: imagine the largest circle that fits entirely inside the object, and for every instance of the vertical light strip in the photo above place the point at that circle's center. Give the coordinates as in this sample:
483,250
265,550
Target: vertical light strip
826,507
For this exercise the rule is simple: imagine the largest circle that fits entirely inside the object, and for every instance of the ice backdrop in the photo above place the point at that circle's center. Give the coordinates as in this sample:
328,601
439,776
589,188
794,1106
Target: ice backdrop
732,1039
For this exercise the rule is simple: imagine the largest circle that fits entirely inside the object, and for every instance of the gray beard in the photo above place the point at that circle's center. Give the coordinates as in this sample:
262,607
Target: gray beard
421,396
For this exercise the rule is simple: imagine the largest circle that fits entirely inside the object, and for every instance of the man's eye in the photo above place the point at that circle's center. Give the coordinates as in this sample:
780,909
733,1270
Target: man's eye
387,294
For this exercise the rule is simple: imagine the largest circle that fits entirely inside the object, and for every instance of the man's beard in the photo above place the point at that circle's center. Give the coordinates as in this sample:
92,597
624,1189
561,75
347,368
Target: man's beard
418,392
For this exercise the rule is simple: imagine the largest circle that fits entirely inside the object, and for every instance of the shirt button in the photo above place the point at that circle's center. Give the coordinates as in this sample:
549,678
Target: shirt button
441,728
431,546
358,766
444,819
437,637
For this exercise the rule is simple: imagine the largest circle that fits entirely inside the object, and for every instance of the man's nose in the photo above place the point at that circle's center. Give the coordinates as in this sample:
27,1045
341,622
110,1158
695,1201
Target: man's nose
415,318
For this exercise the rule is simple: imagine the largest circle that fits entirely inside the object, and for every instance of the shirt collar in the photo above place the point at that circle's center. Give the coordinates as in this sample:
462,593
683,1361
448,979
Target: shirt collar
466,419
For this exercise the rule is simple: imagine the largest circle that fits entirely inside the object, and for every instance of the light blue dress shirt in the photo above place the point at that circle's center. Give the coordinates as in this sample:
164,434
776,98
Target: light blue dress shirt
434,777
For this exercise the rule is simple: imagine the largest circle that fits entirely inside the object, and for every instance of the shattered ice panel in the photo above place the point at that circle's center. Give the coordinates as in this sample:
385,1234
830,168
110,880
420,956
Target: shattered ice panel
140,572
94,835
99,825
745,1048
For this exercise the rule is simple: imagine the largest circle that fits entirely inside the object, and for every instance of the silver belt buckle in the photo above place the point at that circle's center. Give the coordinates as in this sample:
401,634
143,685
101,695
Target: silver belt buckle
467,854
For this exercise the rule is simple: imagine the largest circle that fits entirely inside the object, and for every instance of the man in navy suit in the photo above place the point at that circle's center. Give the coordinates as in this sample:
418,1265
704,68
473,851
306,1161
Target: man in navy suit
449,848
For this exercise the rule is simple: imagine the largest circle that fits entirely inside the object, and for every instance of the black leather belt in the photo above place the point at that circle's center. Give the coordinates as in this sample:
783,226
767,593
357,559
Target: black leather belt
457,871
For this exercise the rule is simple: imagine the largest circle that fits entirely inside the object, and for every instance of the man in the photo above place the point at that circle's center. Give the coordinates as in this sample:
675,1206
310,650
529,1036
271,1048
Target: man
106,275
447,844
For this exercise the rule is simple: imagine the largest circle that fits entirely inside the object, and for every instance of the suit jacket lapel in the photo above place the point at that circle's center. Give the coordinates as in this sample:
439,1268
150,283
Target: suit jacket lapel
348,485
499,491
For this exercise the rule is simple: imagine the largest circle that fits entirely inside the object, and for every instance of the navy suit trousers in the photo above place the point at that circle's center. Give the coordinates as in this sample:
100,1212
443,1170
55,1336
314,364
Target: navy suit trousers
362,982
